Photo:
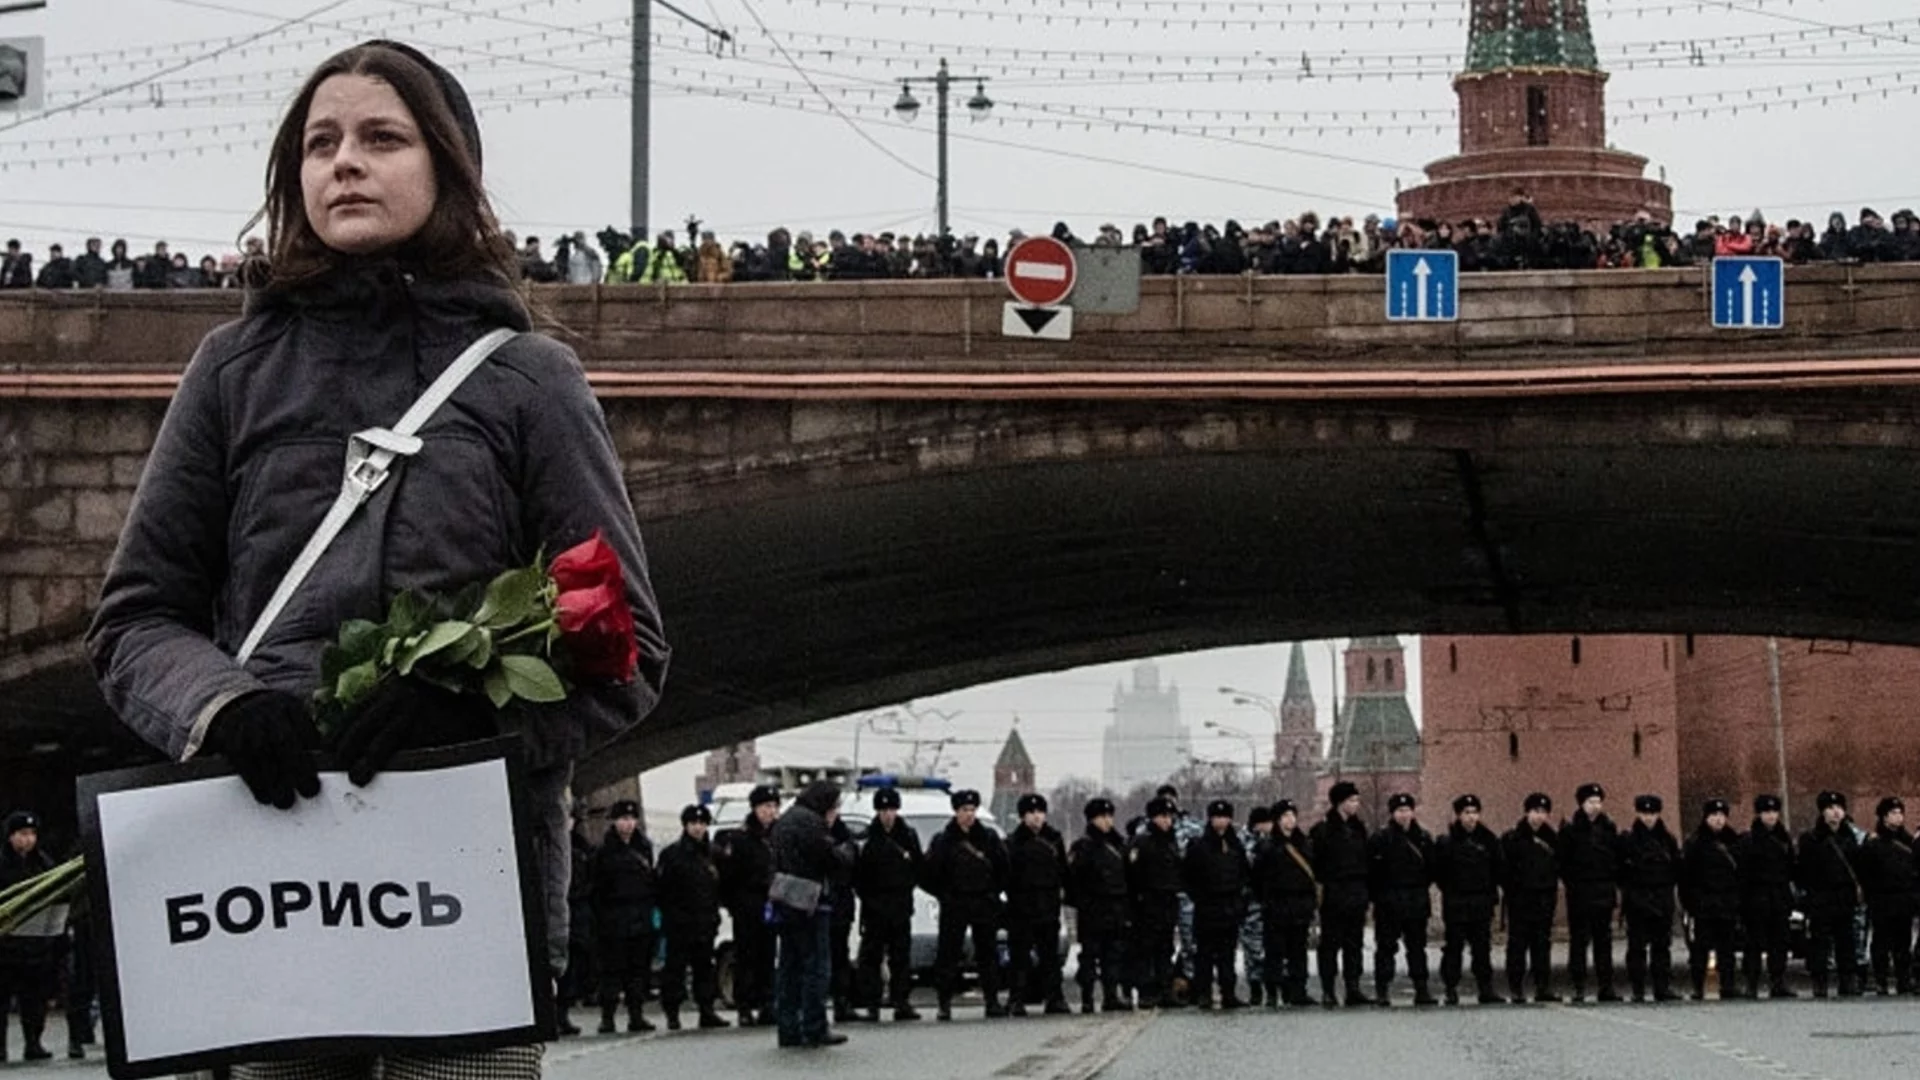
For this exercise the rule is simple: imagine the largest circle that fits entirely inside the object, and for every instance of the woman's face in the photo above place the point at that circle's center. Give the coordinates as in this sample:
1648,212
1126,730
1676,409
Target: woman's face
366,174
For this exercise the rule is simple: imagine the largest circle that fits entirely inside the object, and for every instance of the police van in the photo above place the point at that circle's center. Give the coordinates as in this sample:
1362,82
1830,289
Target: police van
925,804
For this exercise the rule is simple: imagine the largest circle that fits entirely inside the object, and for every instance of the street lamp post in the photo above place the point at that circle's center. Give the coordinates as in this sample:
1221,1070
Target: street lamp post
908,107
1253,745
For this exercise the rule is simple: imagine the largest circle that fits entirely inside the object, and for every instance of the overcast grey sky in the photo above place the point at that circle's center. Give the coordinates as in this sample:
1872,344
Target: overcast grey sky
549,80
1106,110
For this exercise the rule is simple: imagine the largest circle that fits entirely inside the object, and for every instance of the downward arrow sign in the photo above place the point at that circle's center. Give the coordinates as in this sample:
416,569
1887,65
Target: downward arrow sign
1037,318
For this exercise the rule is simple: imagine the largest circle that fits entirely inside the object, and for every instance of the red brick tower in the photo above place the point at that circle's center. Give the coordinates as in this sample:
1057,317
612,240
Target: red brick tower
1533,117
1297,754
1012,778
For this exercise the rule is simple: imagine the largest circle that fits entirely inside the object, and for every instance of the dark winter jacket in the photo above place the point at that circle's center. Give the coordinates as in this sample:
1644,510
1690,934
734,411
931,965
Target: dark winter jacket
1340,858
1400,871
1153,865
689,885
1468,867
625,887
1887,865
802,842
1710,874
90,270
1216,873
580,891
1284,880
1589,861
1097,881
249,459
1036,872
746,867
1826,869
1768,867
846,852
966,866
56,274
888,870
1649,868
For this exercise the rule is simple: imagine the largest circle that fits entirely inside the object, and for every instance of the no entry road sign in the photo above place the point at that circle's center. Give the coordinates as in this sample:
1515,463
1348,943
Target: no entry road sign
1040,271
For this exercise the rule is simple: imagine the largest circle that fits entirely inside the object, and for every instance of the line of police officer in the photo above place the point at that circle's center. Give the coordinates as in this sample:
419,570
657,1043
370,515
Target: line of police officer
1127,893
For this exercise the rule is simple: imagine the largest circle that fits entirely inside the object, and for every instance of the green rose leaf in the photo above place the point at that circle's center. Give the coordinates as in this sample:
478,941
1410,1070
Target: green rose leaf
410,614
494,681
512,598
442,636
481,654
532,678
360,639
356,683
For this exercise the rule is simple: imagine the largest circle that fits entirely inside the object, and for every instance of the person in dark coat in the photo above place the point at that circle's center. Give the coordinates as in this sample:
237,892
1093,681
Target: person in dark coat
1468,865
1769,860
625,890
1530,854
577,984
1153,878
1399,880
1036,874
1097,891
1889,875
805,852
1710,891
840,933
885,876
1649,869
1289,892
90,270
1340,860
1589,864
58,273
1825,872
1216,871
29,963
746,869
967,872
690,917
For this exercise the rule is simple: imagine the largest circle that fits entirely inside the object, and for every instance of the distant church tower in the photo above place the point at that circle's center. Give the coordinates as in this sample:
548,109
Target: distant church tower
1296,746
1533,117
1376,741
1012,778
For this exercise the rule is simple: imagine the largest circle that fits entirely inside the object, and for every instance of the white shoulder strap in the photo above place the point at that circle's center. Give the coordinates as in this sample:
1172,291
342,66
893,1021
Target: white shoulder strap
370,457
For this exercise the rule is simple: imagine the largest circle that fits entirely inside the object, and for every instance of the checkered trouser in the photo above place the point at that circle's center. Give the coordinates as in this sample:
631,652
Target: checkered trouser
508,1063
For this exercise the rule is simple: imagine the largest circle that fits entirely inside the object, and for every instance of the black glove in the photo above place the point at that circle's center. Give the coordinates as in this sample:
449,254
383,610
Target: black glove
407,714
267,735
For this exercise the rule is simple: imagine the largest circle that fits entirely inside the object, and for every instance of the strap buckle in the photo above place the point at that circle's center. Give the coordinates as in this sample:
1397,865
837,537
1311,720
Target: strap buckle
370,455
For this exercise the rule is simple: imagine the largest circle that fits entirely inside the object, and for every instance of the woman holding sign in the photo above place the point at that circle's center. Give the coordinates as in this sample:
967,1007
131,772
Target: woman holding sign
391,308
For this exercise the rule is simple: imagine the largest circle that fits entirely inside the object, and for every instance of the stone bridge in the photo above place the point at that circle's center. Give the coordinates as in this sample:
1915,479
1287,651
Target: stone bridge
858,493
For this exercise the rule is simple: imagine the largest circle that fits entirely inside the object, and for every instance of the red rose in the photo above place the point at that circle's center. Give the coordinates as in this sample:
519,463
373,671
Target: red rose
596,625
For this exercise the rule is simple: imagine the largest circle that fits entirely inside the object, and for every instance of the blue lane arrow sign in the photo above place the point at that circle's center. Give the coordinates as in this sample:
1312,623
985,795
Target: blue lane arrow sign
1423,286
1749,293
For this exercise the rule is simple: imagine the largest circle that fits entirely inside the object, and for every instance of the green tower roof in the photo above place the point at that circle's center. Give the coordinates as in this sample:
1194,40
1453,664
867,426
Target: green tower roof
1299,688
1506,34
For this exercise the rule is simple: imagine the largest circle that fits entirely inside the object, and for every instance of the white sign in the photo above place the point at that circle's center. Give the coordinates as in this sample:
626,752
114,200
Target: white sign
390,912
1046,323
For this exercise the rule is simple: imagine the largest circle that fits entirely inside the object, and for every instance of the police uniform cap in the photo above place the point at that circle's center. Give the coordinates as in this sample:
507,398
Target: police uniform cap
886,799
1031,803
1097,808
965,797
1647,804
1589,791
1167,791
1888,805
1259,815
1539,800
1764,804
1220,808
764,794
1285,806
22,819
1465,803
1716,806
1159,807
623,808
1400,799
1831,798
696,813
1342,791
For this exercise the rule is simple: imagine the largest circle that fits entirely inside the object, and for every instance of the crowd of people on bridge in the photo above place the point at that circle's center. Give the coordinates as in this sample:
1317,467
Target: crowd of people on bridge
1254,888
1517,240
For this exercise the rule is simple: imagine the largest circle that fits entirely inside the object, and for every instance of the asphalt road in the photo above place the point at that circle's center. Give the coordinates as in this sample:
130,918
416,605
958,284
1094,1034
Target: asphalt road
1864,1039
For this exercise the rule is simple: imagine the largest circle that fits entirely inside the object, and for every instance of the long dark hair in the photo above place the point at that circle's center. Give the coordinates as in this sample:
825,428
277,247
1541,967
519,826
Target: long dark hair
461,237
